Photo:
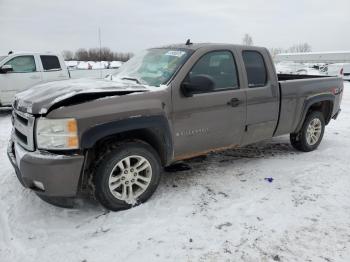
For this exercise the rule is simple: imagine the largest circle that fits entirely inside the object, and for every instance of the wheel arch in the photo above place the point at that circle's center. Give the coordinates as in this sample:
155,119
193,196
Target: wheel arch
153,130
323,103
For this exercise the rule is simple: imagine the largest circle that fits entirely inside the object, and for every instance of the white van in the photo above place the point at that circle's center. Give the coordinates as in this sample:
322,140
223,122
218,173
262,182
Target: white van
339,69
19,71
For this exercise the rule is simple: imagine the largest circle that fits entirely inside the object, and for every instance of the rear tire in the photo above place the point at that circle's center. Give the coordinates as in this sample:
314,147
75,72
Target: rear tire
127,176
310,135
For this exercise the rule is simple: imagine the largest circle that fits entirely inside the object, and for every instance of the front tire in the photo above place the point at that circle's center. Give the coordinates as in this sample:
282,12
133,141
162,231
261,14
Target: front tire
311,133
127,176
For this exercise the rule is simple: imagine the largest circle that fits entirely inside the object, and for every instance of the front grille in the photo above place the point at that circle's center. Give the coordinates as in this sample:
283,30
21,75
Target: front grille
22,119
23,129
21,137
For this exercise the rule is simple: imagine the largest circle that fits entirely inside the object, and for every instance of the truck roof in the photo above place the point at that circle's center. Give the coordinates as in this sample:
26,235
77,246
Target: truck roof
196,46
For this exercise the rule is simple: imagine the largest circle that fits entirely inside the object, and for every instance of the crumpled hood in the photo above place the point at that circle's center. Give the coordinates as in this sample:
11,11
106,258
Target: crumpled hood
40,98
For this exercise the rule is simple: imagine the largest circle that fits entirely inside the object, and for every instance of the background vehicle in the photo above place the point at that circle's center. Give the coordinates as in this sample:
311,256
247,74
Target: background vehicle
19,71
346,72
112,137
339,69
335,69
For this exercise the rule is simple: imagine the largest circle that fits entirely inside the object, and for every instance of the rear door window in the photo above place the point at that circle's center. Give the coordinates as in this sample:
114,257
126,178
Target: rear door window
50,62
22,64
255,68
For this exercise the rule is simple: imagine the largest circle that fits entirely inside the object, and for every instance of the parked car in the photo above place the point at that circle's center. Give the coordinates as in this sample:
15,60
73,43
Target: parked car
111,138
339,69
72,64
116,64
288,67
346,72
297,68
19,71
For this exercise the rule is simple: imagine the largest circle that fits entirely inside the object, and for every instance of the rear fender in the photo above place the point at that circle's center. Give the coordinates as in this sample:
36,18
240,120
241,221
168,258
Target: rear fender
312,101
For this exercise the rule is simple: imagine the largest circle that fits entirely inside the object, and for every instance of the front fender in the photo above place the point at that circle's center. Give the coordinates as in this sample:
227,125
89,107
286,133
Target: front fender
159,123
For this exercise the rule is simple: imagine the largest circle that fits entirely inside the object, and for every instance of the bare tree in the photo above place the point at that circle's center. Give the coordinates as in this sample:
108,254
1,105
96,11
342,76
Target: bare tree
67,55
116,56
82,54
106,54
275,51
96,54
247,40
122,56
300,48
103,54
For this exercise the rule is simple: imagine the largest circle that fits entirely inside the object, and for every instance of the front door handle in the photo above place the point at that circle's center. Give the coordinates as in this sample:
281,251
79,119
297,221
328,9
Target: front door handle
233,102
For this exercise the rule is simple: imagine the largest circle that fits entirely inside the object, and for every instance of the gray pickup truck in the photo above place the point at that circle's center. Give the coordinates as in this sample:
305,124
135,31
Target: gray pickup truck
111,138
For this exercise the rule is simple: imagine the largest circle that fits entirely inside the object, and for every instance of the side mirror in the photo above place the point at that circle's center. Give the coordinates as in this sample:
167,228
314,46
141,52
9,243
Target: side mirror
197,84
6,68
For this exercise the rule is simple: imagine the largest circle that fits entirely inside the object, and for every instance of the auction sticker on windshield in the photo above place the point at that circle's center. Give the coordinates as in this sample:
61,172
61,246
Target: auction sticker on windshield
175,53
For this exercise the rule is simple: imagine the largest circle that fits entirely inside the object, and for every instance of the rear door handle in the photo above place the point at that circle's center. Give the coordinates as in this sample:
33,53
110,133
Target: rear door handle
234,102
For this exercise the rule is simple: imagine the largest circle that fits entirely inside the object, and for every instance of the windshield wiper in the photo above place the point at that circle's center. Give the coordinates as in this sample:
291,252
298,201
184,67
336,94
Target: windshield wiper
132,79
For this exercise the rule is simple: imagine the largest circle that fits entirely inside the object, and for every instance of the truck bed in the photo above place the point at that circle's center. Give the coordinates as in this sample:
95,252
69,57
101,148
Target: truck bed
295,90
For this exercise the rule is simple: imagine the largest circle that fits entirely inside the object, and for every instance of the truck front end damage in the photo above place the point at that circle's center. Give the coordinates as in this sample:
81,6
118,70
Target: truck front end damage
45,151
47,173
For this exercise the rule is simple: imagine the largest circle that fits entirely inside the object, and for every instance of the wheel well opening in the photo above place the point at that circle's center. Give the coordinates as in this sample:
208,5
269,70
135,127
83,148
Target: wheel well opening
151,136
325,107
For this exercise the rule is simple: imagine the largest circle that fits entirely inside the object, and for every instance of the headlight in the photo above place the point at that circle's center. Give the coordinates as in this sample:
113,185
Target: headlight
57,134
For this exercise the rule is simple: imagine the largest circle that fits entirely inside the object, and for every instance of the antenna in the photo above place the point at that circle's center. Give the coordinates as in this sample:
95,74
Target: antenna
188,42
99,40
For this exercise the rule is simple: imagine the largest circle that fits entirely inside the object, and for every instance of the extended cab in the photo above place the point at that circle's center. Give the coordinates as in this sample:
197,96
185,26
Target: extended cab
19,71
112,137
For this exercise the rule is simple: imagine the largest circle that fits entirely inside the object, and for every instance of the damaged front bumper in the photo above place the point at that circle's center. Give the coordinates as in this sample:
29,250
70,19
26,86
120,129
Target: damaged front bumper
46,173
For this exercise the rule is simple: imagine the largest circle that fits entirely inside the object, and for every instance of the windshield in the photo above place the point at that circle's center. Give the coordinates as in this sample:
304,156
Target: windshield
2,57
152,67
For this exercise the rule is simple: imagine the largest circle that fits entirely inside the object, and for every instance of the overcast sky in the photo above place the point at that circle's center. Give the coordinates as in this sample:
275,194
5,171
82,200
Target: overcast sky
44,25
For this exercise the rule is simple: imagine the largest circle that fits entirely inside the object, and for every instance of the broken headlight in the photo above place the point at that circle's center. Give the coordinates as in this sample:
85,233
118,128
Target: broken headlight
57,134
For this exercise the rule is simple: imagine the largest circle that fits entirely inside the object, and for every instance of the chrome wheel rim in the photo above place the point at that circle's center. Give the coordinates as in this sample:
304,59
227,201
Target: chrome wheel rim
129,178
313,131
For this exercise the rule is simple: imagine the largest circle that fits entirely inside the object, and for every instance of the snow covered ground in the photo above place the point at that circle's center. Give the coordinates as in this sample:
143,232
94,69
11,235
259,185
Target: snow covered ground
221,210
